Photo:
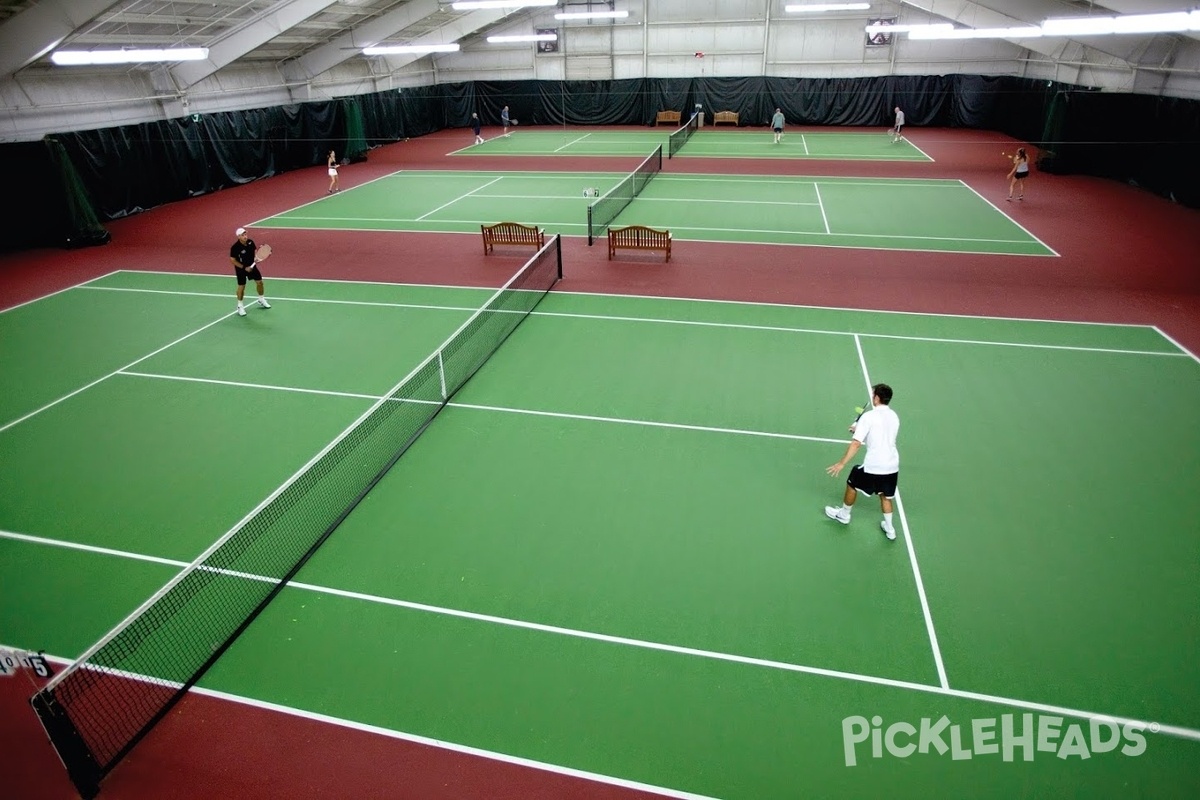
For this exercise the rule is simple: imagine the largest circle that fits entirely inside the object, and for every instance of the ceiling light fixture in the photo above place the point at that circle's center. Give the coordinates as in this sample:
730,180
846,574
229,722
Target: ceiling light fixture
73,58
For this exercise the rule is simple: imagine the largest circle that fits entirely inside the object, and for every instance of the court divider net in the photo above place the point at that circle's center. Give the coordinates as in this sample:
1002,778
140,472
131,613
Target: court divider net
679,138
97,709
601,213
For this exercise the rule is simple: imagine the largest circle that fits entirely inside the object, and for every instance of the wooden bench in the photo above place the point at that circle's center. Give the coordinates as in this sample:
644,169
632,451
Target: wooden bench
638,237
511,233
725,118
667,116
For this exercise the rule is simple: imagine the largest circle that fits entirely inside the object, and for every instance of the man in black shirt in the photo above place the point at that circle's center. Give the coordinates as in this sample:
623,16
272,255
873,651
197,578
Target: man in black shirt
246,266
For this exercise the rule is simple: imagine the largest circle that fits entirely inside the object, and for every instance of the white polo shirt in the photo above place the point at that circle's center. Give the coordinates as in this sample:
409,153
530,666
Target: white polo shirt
877,429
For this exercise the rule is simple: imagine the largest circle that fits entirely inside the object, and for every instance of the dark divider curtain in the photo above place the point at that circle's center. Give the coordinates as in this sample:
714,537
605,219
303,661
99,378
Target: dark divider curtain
54,209
1140,139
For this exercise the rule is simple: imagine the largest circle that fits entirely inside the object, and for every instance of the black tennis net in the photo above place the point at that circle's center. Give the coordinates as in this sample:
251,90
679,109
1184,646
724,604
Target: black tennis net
602,212
679,138
97,709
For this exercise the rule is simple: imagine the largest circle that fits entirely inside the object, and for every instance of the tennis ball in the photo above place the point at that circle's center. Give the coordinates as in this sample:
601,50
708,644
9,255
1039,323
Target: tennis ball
858,409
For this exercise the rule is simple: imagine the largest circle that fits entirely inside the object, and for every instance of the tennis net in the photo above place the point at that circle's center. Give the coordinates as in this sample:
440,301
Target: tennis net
602,212
679,138
97,709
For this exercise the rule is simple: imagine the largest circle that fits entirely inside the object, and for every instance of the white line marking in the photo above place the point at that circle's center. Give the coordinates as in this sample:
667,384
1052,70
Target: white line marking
503,409
1171,730
575,141
487,290
440,744
60,291
804,142
455,200
1164,335
53,403
706,324
912,553
1013,221
821,203
919,150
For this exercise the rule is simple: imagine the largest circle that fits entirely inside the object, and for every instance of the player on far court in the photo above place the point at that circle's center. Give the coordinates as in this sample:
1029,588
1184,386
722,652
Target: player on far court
777,125
504,119
880,471
1018,174
476,126
898,128
332,164
245,265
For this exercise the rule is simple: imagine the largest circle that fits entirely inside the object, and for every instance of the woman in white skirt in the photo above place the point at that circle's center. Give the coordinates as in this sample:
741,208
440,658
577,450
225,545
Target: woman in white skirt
333,176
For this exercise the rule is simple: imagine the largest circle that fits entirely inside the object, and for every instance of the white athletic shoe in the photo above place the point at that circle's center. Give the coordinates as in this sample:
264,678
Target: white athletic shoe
262,301
241,310
888,530
837,514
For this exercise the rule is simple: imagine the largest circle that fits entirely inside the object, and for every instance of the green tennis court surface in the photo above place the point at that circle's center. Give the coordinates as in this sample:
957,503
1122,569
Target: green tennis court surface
876,213
608,553
755,143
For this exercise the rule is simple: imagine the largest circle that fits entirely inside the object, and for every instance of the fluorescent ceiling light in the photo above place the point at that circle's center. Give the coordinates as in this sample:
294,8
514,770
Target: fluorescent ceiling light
940,26
592,15
1025,32
531,37
82,57
474,4
393,49
814,7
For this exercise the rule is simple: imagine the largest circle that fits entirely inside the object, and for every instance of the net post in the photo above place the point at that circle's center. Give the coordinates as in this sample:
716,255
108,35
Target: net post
658,150
558,253
591,237
72,751
442,374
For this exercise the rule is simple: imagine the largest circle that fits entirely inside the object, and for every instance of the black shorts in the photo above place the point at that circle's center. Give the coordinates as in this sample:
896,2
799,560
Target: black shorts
1020,176
778,130
242,273
898,129
867,483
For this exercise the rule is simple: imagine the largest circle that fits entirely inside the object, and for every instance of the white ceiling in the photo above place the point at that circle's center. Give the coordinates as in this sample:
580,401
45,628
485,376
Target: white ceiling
304,38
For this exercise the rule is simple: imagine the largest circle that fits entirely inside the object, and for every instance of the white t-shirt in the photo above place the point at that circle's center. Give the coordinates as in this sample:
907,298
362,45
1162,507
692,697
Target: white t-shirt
877,429
899,118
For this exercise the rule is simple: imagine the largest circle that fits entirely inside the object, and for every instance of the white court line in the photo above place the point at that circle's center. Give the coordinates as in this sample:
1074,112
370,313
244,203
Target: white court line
1164,335
965,240
262,223
1006,216
703,323
685,300
804,142
575,141
312,300
455,200
919,150
413,738
503,409
60,291
53,403
912,553
821,203
893,683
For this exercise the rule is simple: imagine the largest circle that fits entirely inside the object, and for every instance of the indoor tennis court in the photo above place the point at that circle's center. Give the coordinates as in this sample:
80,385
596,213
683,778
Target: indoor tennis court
711,143
618,518
929,214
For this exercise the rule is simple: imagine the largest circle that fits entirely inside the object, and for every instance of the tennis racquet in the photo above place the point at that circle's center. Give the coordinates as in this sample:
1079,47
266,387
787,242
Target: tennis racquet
262,254
859,411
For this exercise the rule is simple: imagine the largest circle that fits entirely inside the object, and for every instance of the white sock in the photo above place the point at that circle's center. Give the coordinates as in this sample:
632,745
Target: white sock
887,518
239,303
846,508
